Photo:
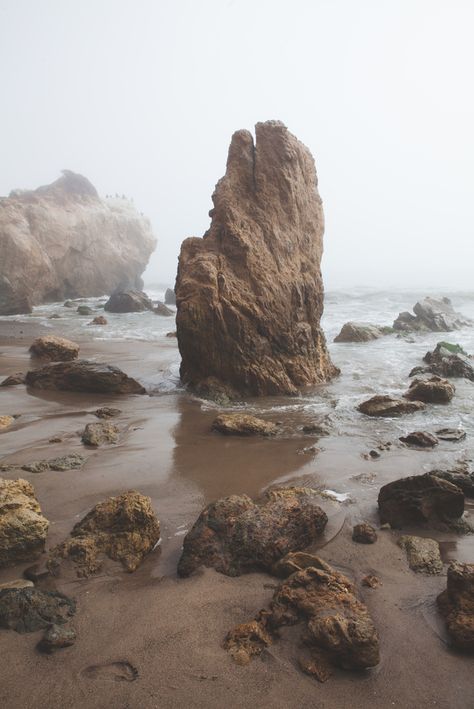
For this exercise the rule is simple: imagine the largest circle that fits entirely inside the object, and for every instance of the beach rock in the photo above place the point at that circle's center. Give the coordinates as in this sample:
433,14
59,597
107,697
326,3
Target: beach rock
170,297
465,481
389,406
6,421
451,434
17,583
26,610
54,349
162,309
235,535
371,581
14,380
96,434
123,528
338,629
99,320
57,637
23,528
456,604
84,310
129,301
318,428
419,500
361,332
63,241
364,533
421,439
423,554
431,391
249,294
107,412
65,462
449,360
82,375
243,425
432,315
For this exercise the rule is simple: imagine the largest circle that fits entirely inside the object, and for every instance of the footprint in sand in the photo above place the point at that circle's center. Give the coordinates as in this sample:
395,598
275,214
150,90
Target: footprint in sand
120,671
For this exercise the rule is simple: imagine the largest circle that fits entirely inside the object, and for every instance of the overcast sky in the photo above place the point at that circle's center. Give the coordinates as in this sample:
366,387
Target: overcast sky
142,97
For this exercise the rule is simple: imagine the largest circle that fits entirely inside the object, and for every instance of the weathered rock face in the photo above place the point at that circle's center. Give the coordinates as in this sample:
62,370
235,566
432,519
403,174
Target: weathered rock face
361,332
82,375
29,609
420,439
23,528
54,349
123,528
243,425
235,535
95,434
448,361
249,294
457,605
433,315
435,390
389,406
63,241
423,554
129,301
364,533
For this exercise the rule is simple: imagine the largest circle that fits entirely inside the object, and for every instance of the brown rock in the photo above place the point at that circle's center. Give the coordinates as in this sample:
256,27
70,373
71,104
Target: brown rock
26,610
17,583
423,554
432,391
360,332
129,301
243,425
235,535
449,360
162,309
13,380
364,533
123,528
95,434
82,375
422,439
107,412
451,434
371,581
249,294
389,406
23,528
457,605
6,421
54,349
57,637
99,320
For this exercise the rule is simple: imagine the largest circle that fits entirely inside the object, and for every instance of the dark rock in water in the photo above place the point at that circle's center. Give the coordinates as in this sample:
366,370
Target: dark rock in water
82,375
123,528
243,425
389,406
162,309
235,535
364,533
456,604
107,412
451,434
419,500
23,528
432,315
54,349
337,627
431,391
13,380
170,297
361,332
29,609
57,637
130,301
84,310
423,554
422,439
171,334
99,320
465,481
69,304
448,360
95,434
249,294
12,302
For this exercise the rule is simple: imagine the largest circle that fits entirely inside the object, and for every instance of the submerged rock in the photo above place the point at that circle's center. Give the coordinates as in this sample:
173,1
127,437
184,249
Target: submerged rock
364,533
423,554
23,528
389,406
456,604
123,528
249,294
235,535
243,425
54,349
431,391
82,375
432,315
129,301
421,439
26,610
13,380
361,332
170,297
95,434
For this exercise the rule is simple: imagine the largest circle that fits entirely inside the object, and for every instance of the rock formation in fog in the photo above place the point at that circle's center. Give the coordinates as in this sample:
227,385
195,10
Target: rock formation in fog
63,241
249,293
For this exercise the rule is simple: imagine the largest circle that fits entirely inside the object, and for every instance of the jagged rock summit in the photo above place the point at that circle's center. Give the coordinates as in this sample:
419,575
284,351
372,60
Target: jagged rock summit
63,241
249,294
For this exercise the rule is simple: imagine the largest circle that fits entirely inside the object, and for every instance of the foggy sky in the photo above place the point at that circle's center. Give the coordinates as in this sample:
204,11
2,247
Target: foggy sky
143,96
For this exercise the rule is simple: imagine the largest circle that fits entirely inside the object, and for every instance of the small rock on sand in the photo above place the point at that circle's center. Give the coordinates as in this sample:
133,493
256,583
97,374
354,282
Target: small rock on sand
6,421
57,637
96,434
243,425
364,533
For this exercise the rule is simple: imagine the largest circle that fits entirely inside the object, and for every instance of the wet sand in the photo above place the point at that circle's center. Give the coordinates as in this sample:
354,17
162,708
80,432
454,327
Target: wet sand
149,639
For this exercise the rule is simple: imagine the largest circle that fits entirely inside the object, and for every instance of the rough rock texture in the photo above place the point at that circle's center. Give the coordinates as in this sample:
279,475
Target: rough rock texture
389,406
235,535
338,629
6,421
54,349
123,528
243,425
449,361
95,434
451,434
431,391
64,462
457,605
361,332
170,297
465,481
418,500
13,380
23,528
107,412
420,439
433,315
364,533
63,241
82,375
129,301
249,294
57,637
29,609
423,554
162,309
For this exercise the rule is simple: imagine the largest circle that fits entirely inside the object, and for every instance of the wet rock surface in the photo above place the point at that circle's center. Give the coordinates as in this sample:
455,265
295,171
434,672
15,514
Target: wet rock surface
235,535
162,309
364,533
448,360
107,412
456,604
82,375
26,610
99,320
243,425
96,434
361,332
23,528
129,301
54,349
423,554
380,405
419,439
431,315
435,390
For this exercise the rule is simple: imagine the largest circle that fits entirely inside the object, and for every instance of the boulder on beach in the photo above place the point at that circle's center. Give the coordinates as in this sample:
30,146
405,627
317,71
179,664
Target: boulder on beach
361,332
456,604
26,610
364,533
432,315
96,434
448,360
23,528
420,439
249,294
419,500
243,425
129,301
235,535
54,349
162,309
83,376
337,627
57,637
460,478
389,406
423,554
435,390
170,297
123,528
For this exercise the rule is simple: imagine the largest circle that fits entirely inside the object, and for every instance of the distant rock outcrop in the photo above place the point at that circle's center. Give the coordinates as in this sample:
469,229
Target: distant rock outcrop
63,241
128,301
432,315
249,294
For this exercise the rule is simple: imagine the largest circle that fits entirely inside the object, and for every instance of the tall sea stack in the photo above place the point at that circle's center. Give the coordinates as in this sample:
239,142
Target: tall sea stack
249,294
